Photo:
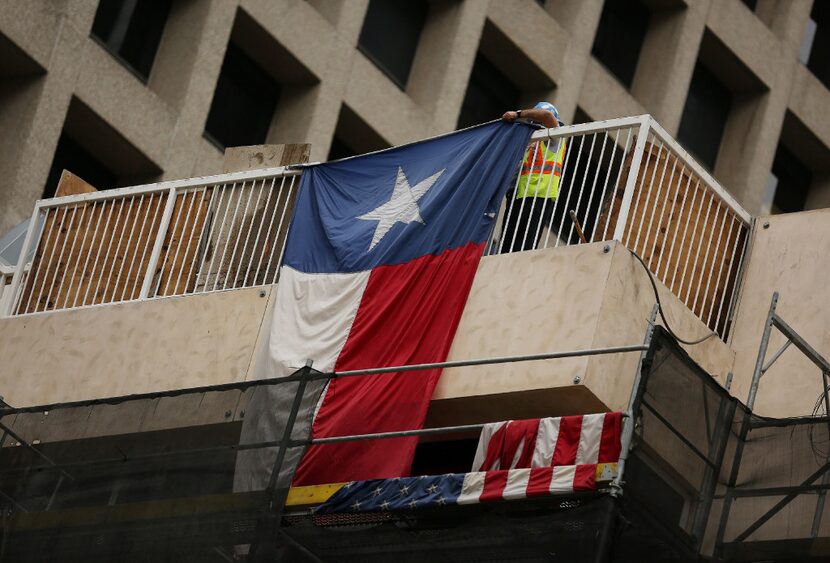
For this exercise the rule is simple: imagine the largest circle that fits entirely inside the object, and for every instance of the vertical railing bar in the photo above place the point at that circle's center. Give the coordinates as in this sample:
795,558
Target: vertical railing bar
240,221
89,253
129,214
692,240
133,221
733,296
268,232
616,184
640,200
48,263
19,271
631,180
219,236
568,197
248,235
158,244
156,288
605,184
677,226
259,229
660,218
538,185
190,240
552,175
562,180
683,237
582,186
516,195
191,195
98,254
509,213
151,229
594,186
77,260
60,257
120,203
146,237
712,266
218,210
652,205
276,237
705,257
720,272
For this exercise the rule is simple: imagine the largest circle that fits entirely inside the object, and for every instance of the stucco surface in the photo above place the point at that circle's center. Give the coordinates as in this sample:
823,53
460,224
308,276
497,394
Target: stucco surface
791,256
136,347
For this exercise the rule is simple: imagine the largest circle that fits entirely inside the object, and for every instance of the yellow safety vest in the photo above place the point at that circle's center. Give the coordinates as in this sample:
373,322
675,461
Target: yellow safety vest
541,171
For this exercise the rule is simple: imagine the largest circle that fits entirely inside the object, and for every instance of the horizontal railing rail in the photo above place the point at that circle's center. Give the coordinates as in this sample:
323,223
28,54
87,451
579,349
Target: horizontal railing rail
622,179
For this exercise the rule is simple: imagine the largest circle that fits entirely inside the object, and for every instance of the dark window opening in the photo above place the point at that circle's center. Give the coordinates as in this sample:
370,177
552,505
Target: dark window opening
489,94
71,156
704,115
751,4
243,102
131,30
340,149
390,35
819,61
438,458
620,35
793,181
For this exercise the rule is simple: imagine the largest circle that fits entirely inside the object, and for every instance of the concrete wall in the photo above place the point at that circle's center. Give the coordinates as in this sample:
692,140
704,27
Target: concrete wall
790,255
567,298
50,67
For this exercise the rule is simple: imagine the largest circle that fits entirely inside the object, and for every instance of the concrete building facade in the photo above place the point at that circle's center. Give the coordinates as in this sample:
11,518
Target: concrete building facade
121,96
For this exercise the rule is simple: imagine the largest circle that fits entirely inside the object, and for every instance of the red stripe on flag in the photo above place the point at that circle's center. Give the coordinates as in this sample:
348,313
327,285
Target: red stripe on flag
585,478
609,445
567,443
408,315
539,482
494,483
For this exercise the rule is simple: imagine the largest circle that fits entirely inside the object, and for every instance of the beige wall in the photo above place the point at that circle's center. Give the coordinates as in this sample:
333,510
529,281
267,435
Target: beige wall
138,347
791,256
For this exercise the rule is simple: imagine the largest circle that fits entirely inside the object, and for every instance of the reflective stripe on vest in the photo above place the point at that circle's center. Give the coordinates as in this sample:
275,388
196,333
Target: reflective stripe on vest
541,171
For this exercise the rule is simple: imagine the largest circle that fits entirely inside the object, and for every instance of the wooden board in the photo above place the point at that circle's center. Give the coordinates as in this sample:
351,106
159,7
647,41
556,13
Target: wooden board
682,230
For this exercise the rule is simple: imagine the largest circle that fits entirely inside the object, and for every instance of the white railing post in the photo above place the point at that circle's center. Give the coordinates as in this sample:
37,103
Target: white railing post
20,270
633,174
159,242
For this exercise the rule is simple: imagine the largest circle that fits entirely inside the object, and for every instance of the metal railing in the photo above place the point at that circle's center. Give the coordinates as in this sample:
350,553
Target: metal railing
623,179
627,180
173,238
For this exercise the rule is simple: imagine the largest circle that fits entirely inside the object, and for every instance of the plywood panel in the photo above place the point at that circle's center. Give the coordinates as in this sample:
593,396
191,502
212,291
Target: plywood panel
176,270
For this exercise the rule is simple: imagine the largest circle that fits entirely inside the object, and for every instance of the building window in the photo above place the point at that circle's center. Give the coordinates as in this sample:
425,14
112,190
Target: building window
818,46
131,30
751,4
353,136
489,94
620,35
71,156
243,102
792,182
390,35
704,116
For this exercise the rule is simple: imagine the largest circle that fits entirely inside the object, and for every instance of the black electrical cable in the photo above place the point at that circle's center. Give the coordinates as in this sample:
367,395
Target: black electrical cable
660,307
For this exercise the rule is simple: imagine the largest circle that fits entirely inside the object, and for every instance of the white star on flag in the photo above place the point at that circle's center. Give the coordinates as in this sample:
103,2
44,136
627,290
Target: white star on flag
432,488
402,207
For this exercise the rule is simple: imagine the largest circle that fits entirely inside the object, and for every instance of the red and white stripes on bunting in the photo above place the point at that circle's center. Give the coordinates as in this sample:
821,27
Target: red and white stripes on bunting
512,484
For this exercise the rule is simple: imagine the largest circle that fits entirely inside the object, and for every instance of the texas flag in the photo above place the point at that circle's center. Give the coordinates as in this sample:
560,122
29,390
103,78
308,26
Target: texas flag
380,257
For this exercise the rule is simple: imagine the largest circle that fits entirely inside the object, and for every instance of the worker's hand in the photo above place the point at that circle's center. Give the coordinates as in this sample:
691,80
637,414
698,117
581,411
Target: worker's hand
509,116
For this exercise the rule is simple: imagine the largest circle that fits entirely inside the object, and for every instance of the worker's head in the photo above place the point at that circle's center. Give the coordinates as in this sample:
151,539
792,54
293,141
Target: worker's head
551,108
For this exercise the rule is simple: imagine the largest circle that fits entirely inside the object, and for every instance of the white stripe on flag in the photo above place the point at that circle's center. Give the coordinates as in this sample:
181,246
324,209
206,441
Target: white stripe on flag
589,439
471,488
314,314
516,486
563,479
484,443
545,442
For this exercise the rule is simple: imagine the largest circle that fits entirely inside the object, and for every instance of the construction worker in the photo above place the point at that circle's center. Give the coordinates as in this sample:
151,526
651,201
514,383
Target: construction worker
530,203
